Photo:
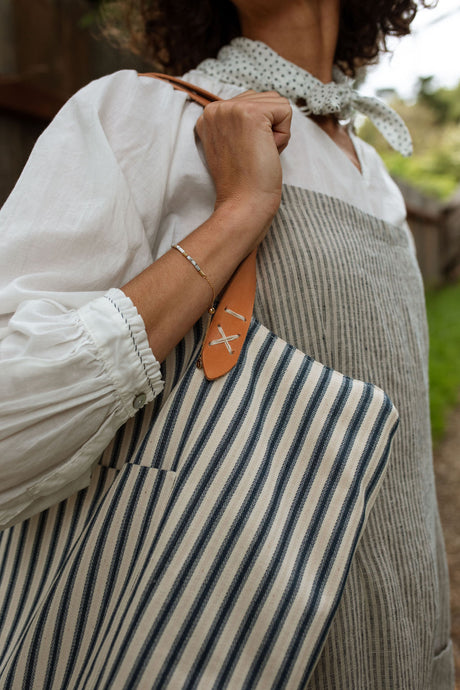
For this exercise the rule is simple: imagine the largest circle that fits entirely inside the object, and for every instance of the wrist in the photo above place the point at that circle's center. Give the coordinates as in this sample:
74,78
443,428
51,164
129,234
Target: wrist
251,213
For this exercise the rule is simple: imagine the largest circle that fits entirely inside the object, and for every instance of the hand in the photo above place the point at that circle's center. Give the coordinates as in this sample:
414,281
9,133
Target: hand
242,140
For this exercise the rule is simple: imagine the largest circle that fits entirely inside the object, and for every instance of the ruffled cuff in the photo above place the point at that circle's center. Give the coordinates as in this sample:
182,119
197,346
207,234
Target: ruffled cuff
131,364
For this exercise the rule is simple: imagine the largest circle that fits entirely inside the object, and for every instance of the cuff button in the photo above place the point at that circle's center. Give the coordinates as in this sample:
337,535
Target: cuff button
139,401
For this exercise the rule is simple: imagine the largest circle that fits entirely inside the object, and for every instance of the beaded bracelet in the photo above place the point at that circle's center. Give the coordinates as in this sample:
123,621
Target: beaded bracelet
211,308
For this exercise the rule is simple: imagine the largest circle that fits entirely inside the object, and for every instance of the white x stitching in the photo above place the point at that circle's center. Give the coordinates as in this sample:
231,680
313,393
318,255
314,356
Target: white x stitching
226,339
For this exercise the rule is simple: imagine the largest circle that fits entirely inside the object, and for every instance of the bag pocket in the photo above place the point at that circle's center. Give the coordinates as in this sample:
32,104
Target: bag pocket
34,552
93,582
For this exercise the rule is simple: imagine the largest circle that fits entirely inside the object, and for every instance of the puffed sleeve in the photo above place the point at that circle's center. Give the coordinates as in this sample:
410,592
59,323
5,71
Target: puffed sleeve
75,362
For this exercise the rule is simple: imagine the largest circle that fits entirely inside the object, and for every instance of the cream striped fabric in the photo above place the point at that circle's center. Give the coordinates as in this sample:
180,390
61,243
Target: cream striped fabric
217,555
189,569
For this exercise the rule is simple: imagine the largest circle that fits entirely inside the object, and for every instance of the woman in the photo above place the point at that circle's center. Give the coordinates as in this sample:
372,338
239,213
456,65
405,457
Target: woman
114,181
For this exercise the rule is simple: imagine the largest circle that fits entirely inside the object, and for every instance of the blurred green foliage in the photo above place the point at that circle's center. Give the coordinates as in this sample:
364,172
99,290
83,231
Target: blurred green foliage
444,103
443,310
433,121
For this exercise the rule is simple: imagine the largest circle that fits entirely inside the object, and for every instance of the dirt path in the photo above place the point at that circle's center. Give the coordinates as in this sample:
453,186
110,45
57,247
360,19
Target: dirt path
447,470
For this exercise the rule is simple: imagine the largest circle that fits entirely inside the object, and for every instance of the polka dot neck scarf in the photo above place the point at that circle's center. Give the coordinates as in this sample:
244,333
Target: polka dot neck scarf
253,65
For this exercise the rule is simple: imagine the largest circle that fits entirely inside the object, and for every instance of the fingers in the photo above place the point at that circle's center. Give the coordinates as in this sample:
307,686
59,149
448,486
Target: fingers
257,95
242,138
266,106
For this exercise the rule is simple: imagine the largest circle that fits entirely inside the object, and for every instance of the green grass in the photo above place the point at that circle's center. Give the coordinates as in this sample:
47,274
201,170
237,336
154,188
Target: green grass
443,308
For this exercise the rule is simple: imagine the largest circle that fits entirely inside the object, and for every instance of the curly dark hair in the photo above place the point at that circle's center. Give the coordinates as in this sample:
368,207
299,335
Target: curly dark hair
175,35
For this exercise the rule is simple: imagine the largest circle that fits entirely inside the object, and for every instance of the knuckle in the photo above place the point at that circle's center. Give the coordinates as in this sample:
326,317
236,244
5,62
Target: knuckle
250,108
241,110
210,109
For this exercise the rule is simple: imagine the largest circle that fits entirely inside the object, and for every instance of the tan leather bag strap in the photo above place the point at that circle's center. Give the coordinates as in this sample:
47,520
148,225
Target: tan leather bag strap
229,326
196,93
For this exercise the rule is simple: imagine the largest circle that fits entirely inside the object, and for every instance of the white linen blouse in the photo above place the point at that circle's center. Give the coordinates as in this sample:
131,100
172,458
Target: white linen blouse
114,180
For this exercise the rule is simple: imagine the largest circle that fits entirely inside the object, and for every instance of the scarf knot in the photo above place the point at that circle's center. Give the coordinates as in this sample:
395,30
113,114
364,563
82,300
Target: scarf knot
253,65
327,99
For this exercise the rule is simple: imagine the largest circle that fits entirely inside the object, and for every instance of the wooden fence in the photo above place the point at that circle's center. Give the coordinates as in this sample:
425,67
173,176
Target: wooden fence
46,55
436,230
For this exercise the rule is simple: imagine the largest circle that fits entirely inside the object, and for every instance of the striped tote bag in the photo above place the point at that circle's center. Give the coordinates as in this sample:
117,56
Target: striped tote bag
217,556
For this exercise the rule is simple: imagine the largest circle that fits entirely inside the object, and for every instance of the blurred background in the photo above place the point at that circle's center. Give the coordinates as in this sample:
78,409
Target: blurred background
51,48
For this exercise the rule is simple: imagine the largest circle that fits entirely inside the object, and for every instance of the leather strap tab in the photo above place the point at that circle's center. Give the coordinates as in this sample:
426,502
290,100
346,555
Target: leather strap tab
230,324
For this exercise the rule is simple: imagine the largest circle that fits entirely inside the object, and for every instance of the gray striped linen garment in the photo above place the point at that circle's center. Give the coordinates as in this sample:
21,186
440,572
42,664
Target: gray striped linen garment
345,287
87,586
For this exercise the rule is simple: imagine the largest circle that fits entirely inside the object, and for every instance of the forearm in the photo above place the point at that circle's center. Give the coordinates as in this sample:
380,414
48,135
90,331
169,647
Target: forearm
171,296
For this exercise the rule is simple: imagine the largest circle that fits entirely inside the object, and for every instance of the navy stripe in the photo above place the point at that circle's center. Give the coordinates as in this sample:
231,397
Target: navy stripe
8,536
31,569
138,423
14,570
330,549
312,466
120,509
237,528
154,496
70,533
117,445
371,487
123,530
55,532
60,621
170,422
263,530
198,496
